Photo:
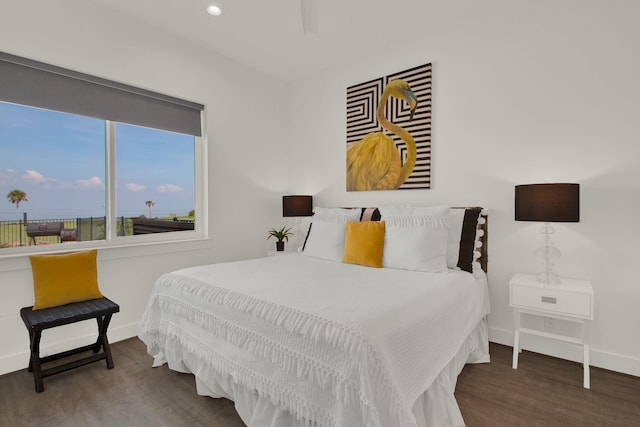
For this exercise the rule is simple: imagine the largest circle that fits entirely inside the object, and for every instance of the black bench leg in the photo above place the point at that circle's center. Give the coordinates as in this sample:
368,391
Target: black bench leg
31,338
103,341
98,344
34,361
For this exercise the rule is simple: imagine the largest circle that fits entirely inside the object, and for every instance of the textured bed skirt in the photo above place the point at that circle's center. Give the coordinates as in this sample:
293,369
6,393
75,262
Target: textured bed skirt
437,407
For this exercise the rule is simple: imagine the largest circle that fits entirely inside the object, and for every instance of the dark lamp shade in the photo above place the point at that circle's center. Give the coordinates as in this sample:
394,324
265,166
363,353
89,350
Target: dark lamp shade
547,202
297,206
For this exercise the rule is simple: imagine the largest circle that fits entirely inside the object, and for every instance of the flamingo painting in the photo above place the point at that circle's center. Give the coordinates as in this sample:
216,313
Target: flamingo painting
374,163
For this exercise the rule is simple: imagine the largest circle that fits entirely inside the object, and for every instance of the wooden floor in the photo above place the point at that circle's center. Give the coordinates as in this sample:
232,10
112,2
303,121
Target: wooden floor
544,391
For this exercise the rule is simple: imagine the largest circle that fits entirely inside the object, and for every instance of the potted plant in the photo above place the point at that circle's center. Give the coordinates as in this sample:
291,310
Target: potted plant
282,235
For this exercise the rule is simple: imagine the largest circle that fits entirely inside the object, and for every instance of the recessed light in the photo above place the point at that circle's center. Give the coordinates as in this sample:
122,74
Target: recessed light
214,10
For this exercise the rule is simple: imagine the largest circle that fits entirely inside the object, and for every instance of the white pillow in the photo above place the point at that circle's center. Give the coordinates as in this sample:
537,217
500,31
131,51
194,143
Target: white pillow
327,232
416,237
456,218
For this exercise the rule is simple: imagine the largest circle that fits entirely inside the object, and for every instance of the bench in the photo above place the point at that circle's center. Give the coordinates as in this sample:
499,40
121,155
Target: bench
43,229
36,321
148,226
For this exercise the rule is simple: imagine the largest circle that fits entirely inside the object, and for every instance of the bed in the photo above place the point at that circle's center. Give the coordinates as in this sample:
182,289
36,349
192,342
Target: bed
319,338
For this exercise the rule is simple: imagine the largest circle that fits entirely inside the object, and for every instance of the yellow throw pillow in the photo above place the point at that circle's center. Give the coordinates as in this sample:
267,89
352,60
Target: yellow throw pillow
60,279
363,243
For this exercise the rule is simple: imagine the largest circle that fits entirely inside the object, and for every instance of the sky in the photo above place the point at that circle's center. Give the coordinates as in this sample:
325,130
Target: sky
58,160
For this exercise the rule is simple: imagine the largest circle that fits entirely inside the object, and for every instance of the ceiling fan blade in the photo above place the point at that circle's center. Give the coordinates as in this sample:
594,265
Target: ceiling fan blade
309,11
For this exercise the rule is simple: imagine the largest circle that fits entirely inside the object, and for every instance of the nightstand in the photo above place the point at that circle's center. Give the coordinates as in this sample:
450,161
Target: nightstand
571,300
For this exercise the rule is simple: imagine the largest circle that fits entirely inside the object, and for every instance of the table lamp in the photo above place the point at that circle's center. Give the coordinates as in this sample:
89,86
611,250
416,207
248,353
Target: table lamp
547,203
297,206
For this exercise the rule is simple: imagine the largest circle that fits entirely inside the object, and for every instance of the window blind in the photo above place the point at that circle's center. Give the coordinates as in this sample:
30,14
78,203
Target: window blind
37,84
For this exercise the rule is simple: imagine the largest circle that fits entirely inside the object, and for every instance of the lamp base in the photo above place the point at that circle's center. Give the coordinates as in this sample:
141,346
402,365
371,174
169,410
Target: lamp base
298,228
548,278
549,254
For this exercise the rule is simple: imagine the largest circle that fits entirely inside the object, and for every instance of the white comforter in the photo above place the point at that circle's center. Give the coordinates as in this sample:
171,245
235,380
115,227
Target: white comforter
332,343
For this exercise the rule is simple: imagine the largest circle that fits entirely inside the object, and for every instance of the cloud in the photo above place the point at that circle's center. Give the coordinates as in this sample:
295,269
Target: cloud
8,177
93,182
28,178
34,176
168,188
33,179
136,188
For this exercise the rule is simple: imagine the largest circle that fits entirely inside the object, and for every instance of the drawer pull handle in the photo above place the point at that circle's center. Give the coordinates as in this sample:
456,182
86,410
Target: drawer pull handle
550,300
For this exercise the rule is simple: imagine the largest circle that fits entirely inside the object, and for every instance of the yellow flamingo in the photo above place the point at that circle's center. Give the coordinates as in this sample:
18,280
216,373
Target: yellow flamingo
373,163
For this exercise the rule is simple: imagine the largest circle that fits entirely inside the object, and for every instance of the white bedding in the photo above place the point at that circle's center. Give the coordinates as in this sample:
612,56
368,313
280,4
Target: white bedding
329,343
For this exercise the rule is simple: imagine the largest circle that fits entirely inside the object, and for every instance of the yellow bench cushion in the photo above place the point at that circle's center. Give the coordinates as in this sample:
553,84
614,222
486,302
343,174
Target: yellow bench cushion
60,279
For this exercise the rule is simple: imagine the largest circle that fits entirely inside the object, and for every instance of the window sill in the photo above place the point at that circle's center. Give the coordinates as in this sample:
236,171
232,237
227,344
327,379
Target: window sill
107,250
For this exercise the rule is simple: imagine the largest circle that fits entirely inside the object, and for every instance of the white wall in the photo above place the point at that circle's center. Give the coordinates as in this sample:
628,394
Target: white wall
524,92
244,145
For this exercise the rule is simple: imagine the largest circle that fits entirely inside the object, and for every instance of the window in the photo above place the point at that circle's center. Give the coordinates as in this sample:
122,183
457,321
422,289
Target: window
69,172
157,164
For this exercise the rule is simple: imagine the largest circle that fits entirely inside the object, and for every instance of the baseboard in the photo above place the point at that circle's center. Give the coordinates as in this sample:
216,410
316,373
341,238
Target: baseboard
17,361
602,359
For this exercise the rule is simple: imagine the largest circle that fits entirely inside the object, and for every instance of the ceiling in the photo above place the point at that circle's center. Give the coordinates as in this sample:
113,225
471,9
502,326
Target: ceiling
268,35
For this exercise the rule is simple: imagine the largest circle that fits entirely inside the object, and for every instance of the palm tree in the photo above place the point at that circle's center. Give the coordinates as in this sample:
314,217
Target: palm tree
17,196
151,204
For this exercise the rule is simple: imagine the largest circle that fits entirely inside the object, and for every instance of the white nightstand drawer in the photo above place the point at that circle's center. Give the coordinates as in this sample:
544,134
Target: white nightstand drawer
552,300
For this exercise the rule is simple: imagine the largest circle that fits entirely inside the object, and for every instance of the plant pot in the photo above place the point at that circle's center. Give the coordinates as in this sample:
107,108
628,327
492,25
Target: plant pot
279,246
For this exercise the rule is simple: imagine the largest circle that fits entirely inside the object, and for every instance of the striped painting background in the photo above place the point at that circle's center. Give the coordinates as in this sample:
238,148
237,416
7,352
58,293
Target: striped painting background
362,102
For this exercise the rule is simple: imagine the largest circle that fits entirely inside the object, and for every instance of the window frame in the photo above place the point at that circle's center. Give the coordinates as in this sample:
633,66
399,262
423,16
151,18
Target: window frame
200,176
29,73
112,240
